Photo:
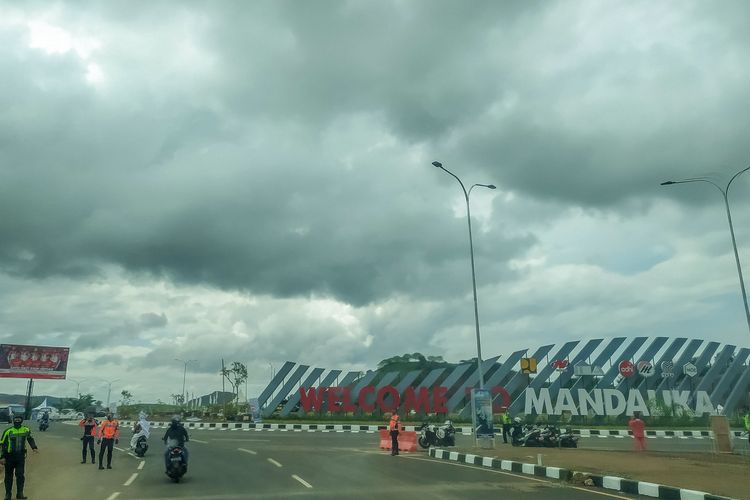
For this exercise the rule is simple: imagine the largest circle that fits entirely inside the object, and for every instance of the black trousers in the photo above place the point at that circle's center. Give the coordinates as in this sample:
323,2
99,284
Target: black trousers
394,442
107,444
506,432
18,466
88,443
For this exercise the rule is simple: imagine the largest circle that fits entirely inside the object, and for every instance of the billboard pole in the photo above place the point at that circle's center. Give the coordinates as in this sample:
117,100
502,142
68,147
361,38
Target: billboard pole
27,414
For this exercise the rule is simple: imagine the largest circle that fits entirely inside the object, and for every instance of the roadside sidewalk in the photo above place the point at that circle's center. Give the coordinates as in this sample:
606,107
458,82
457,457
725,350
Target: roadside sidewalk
718,474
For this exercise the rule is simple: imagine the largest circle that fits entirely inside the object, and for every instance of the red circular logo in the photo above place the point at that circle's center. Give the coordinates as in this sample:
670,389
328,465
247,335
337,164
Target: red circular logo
627,369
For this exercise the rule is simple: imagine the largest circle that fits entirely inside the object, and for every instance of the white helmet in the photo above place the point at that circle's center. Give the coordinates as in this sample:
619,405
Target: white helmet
517,420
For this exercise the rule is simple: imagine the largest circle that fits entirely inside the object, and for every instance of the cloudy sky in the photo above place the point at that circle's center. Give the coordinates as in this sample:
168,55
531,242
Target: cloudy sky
252,180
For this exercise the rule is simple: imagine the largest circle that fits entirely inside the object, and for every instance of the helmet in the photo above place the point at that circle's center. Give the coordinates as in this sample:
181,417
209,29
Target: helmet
517,420
17,418
176,420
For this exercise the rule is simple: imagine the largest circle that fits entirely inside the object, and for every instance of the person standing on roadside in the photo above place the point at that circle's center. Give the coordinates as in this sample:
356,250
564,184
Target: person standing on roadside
109,436
89,425
393,429
746,421
506,421
638,427
13,455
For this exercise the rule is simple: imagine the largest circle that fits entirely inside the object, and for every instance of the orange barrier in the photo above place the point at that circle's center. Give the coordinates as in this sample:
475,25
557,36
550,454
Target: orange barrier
407,440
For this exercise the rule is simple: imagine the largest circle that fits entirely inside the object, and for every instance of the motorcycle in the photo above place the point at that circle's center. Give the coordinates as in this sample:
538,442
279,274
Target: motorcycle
177,466
433,435
141,446
568,440
43,425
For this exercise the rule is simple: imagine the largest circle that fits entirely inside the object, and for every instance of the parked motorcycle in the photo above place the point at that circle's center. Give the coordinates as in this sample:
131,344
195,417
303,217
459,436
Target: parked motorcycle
568,439
177,466
141,446
434,435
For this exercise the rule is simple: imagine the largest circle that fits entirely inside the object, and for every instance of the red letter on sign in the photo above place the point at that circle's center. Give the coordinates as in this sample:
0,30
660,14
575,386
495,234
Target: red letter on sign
393,405
333,398
417,403
439,399
506,398
348,406
363,401
310,400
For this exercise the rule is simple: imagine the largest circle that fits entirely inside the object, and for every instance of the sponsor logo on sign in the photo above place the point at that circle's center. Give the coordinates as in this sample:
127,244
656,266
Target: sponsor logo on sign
560,365
528,365
667,369
626,367
690,370
645,368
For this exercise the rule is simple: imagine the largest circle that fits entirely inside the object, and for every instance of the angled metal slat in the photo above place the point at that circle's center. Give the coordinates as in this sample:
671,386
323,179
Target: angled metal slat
431,378
293,380
499,375
294,398
275,382
582,356
606,381
685,358
730,375
408,379
716,369
739,392
459,396
703,360
602,358
345,382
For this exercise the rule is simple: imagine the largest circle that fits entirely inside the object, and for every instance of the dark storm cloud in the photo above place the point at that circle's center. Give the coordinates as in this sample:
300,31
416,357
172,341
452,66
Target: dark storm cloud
249,167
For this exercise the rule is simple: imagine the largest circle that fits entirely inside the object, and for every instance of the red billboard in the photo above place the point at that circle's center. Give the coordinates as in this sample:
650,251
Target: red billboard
33,361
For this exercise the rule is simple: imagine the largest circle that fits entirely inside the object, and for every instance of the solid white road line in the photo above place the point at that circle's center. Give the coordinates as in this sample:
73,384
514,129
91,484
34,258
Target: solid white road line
247,451
199,441
304,483
130,479
140,465
113,495
277,464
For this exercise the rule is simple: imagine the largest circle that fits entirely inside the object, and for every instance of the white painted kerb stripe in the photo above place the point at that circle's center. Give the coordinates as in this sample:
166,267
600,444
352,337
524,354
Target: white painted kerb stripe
692,495
611,482
304,483
648,489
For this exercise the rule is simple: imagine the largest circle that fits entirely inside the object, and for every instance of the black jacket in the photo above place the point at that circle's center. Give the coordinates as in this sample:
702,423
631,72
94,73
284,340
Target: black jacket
178,433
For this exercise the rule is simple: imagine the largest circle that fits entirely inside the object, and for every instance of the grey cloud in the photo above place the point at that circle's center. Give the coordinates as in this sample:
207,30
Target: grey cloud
153,320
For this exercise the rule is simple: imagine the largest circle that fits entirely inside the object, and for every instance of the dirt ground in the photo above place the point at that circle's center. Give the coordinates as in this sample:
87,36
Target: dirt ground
719,474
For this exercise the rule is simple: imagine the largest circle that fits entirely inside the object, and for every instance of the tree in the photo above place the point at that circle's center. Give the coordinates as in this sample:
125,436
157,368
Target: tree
236,375
82,403
127,397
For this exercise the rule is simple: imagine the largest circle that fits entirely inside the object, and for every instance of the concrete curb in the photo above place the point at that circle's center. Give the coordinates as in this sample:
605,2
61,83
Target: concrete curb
607,482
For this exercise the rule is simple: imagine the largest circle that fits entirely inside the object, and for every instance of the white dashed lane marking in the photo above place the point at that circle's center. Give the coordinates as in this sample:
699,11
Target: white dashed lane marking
130,479
277,464
304,483
248,451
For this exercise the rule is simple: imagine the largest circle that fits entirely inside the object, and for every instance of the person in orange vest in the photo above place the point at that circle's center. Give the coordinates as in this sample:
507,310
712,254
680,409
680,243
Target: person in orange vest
638,427
393,429
109,435
89,425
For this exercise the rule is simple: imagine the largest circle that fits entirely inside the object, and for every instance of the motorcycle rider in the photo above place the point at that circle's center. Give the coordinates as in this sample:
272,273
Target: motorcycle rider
13,455
393,429
175,436
44,421
89,426
141,428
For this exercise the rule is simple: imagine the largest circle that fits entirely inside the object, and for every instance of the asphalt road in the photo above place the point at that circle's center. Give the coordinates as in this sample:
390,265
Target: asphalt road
251,464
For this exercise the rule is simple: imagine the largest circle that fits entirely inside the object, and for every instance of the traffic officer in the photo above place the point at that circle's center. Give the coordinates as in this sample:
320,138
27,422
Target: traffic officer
109,435
89,425
746,421
506,421
13,445
393,429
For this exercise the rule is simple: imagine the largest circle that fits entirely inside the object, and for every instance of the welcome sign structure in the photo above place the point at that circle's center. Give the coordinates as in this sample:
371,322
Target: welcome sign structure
595,377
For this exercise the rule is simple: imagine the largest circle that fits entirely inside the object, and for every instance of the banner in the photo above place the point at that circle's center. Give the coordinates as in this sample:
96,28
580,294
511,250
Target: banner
255,410
33,361
481,409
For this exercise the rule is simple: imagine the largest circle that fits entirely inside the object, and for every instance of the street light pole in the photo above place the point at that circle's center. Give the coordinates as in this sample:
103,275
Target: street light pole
109,390
473,272
78,386
725,193
184,375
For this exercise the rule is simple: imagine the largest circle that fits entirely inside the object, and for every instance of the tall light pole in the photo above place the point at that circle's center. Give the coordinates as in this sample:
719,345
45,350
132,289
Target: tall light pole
78,385
725,193
184,374
109,389
473,273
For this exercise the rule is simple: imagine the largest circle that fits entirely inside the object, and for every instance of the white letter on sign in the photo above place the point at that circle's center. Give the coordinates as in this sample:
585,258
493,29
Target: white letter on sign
703,404
543,404
636,403
619,408
565,403
597,403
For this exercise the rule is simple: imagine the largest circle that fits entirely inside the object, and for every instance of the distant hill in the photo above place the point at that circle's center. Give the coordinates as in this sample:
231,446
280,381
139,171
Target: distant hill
20,399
